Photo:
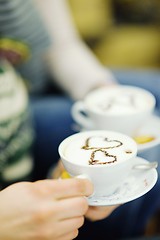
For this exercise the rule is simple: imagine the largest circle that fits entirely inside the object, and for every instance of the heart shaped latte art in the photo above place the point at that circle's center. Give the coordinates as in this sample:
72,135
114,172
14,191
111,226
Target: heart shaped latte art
101,143
101,156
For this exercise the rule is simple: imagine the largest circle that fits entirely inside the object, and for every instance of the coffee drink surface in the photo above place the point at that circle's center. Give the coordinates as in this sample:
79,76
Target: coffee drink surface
99,148
117,101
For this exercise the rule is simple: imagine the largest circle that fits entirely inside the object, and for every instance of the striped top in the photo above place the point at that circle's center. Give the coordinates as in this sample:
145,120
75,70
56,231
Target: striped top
16,132
23,38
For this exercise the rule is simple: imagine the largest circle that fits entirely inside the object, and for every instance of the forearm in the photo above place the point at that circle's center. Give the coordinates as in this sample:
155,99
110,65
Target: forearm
77,70
72,63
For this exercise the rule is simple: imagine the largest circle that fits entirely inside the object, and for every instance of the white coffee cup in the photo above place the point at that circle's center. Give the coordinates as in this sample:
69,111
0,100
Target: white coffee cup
105,157
120,108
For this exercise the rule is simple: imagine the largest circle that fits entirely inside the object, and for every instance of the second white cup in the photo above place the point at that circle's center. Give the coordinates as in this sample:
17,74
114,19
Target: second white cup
120,108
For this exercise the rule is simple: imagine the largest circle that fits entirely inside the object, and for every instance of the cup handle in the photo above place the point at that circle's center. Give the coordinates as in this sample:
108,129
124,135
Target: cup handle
79,114
146,166
65,175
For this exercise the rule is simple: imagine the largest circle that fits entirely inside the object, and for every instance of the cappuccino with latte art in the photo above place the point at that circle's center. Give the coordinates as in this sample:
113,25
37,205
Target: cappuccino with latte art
105,157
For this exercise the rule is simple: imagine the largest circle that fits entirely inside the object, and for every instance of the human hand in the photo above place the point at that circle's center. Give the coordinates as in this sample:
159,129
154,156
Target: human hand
95,213
47,209
101,85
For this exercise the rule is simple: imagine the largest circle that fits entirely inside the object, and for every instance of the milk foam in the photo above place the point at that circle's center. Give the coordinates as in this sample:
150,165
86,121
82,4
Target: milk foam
119,100
99,148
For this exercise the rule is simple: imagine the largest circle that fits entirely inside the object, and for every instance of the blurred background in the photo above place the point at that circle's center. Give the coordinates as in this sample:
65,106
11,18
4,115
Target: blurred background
122,33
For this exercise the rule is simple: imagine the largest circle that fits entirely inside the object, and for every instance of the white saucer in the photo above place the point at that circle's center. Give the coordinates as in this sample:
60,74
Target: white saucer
137,184
150,128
